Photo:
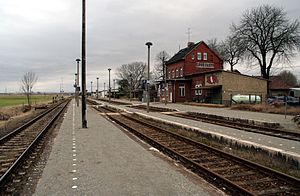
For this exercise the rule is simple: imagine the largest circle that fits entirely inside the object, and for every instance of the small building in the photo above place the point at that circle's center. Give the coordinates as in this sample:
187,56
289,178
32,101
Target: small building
278,87
196,73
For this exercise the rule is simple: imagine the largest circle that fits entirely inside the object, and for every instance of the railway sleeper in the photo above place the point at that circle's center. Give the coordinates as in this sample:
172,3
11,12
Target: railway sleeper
221,169
280,191
261,181
238,176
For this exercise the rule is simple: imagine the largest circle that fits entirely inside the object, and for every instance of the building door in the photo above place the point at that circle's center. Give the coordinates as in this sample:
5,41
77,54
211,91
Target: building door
170,97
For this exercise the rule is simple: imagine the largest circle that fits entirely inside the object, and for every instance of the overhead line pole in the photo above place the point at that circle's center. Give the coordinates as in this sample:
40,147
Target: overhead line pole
83,61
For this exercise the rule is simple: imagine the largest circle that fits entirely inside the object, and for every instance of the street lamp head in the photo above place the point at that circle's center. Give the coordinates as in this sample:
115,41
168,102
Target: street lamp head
149,44
77,60
109,69
97,78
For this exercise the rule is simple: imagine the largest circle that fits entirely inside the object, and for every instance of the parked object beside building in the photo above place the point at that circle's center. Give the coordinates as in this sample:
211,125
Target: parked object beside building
196,73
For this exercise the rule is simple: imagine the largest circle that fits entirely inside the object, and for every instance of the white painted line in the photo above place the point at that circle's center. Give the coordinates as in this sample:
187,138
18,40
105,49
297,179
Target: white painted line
74,159
74,170
292,147
280,144
74,147
74,155
74,178
74,187
74,150
74,164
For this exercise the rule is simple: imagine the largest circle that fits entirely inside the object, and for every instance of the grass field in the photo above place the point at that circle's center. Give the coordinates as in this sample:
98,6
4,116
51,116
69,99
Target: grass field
12,100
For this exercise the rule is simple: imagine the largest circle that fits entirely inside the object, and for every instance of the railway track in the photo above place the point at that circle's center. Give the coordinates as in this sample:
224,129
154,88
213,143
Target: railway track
17,145
275,132
234,175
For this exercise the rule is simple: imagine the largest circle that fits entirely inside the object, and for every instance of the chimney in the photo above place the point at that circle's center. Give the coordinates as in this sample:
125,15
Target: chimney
189,44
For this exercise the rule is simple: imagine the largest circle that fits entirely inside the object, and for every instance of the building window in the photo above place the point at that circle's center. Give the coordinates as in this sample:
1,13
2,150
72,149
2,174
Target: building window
177,73
181,71
199,56
173,73
197,90
205,56
169,74
181,90
193,56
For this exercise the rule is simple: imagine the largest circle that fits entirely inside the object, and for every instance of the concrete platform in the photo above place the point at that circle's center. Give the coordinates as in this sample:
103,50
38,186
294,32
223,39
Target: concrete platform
102,160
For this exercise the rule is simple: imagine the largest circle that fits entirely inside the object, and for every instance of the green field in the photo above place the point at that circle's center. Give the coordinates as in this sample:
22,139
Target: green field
12,100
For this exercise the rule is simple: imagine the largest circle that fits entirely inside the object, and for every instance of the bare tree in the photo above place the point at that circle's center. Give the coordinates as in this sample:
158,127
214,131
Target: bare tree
28,81
159,69
134,73
288,77
268,36
214,45
231,50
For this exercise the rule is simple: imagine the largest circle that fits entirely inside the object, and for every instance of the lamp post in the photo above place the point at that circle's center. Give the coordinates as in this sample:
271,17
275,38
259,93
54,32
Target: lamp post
148,44
91,88
77,60
77,84
109,89
97,87
165,77
114,89
83,61
130,86
104,90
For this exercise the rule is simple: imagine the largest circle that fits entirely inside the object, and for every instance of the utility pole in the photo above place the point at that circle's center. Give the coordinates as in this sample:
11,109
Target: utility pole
83,61
97,87
148,44
109,89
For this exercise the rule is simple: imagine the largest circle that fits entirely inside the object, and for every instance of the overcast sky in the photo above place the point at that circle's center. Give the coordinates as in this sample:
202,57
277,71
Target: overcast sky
44,36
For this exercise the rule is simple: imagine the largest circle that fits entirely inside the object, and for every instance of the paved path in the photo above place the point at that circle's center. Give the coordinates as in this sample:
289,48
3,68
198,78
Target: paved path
102,160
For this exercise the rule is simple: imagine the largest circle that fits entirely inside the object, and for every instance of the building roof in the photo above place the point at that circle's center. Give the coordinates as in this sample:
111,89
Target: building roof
278,84
181,54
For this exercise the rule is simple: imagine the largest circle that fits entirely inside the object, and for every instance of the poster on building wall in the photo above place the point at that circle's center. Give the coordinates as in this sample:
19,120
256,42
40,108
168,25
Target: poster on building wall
212,79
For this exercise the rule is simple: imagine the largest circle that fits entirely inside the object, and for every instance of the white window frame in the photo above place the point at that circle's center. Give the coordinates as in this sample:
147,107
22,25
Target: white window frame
181,90
198,91
193,56
177,73
205,56
181,72
169,74
173,73
199,56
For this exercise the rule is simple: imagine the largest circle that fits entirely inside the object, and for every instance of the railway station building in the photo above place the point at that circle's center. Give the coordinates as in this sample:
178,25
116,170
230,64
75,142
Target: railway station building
196,73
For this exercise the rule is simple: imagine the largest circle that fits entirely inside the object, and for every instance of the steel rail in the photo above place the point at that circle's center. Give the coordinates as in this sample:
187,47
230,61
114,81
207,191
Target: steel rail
246,127
234,188
17,130
16,163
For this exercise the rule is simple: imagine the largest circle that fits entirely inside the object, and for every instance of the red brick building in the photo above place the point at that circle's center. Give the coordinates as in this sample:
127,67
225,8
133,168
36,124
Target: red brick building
196,73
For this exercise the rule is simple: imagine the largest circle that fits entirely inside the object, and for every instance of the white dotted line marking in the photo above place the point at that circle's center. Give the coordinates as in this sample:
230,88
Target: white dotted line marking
74,148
